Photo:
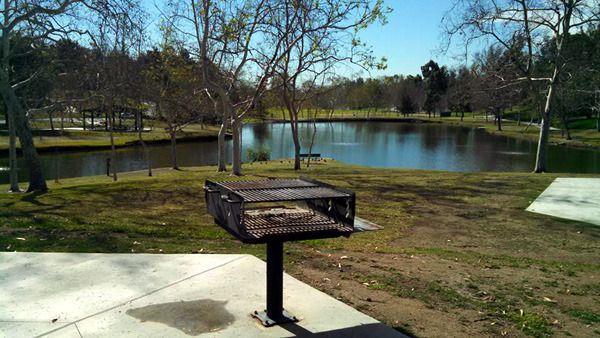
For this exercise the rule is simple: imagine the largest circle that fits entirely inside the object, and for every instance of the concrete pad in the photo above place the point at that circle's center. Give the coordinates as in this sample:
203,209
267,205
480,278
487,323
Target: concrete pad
571,198
100,295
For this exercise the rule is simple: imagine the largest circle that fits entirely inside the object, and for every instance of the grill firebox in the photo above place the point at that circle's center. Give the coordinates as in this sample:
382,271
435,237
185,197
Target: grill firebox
283,210
278,210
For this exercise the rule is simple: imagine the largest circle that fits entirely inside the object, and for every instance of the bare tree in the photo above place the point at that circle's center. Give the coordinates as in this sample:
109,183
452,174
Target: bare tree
42,21
528,23
315,37
227,36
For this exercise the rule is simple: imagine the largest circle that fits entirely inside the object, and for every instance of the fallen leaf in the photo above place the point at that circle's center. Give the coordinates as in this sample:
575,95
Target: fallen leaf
521,312
20,239
546,299
344,257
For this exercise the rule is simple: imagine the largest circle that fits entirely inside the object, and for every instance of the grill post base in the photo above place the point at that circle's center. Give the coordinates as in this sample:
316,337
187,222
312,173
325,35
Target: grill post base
267,321
274,314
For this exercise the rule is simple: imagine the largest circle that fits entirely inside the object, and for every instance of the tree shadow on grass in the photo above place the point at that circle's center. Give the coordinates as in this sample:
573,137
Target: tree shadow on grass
32,198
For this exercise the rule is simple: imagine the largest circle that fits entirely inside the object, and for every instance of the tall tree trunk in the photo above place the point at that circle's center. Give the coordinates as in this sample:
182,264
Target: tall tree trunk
312,139
222,154
173,147
293,112
113,152
541,159
500,119
36,176
12,152
566,130
51,120
11,120
21,124
138,123
237,146
296,139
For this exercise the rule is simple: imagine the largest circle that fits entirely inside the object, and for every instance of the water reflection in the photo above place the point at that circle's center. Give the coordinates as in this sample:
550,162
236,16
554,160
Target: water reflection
376,144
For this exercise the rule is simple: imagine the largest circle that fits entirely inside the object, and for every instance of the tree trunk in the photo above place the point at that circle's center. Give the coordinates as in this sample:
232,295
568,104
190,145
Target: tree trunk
92,120
237,146
296,144
51,120
83,113
499,119
36,176
312,139
173,148
12,152
222,161
113,152
138,123
598,120
566,130
541,159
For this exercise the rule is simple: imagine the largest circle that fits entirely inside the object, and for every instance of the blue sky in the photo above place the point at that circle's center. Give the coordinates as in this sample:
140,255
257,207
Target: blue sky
411,36
410,39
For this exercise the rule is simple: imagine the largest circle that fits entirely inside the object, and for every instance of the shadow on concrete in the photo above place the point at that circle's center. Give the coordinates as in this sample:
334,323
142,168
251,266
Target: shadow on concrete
191,317
376,330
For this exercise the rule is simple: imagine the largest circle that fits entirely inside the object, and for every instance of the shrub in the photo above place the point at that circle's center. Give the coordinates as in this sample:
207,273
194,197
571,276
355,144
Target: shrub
255,155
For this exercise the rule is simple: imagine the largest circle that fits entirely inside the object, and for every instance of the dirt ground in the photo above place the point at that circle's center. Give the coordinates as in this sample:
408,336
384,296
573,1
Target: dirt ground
471,264
458,255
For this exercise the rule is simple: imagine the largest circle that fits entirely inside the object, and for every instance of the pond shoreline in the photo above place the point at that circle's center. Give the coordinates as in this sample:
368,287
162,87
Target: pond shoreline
82,148
564,143
409,120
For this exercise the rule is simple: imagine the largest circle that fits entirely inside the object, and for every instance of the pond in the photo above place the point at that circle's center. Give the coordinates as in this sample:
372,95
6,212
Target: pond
375,144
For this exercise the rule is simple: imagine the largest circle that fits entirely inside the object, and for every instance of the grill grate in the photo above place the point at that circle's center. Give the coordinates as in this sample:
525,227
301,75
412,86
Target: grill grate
285,221
288,194
266,184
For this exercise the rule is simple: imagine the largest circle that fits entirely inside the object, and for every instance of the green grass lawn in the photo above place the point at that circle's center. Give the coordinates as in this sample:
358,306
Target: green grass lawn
458,255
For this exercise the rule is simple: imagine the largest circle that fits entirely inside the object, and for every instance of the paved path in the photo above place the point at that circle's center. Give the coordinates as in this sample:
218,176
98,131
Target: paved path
141,295
571,198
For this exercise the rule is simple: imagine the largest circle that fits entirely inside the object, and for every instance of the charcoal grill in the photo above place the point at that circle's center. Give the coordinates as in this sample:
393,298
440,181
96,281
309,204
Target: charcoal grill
275,211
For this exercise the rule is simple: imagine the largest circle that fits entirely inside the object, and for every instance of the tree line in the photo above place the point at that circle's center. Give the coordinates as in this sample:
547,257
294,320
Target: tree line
488,85
220,61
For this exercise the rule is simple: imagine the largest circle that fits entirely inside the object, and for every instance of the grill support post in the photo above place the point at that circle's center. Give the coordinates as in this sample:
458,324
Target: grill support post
274,279
274,314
